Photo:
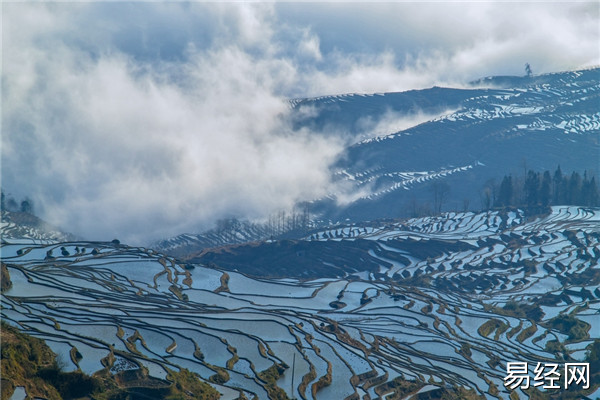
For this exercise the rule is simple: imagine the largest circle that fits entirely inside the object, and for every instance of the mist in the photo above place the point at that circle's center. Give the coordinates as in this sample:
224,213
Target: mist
146,120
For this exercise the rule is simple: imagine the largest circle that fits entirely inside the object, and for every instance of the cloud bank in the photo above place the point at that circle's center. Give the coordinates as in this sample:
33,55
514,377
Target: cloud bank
146,120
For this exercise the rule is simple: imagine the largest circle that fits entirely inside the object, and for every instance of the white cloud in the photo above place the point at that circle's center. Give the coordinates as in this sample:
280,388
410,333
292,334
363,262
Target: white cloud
401,46
309,45
145,129
392,122
115,147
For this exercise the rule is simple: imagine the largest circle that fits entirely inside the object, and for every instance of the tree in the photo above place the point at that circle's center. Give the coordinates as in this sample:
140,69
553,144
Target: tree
532,184
594,195
556,186
574,189
486,198
564,196
545,189
11,204
506,192
305,218
589,191
488,195
440,191
27,206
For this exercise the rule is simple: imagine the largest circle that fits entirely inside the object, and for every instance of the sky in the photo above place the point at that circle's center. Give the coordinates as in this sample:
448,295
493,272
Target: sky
144,120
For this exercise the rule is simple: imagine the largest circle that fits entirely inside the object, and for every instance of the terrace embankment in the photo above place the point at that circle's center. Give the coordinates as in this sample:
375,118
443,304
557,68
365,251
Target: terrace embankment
408,319
29,363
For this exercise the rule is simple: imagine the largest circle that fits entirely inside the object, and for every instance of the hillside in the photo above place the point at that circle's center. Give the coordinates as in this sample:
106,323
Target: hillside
29,367
499,126
27,227
358,296
465,141
441,305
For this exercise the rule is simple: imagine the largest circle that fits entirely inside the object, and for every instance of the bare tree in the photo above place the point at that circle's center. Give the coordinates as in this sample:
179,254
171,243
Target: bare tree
440,191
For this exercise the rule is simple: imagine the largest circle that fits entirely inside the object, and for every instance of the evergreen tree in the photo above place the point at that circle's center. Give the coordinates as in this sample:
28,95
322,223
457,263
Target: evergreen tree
545,189
594,195
532,184
556,186
564,197
585,190
574,189
11,204
505,193
27,206
589,191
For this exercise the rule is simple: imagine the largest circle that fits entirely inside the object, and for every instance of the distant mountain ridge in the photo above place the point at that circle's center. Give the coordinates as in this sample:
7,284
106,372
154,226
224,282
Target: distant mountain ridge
498,126
531,123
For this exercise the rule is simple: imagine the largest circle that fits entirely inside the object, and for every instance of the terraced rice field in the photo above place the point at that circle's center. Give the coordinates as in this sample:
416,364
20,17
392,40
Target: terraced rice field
441,320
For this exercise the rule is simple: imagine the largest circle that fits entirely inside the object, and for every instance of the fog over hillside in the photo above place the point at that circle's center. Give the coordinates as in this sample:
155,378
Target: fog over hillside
276,201
146,120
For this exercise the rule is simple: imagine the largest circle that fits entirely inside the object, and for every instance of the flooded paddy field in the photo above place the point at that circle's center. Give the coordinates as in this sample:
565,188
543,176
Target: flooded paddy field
491,288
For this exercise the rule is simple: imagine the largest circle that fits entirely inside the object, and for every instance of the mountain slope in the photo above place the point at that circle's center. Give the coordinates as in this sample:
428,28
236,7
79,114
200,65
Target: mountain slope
530,123
453,298
27,227
475,136
233,232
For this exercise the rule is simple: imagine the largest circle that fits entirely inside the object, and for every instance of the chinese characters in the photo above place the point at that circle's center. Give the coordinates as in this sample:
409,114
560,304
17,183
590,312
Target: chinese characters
547,375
